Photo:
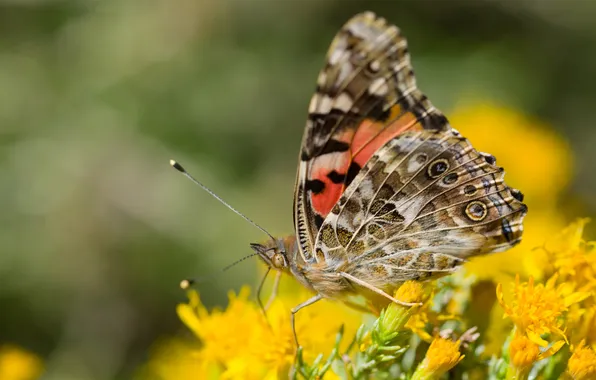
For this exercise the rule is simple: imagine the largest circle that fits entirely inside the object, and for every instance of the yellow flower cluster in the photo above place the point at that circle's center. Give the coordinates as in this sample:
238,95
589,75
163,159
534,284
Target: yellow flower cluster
537,309
542,313
242,343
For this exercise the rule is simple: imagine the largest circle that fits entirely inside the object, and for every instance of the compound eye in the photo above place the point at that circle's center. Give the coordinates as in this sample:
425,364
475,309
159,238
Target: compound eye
278,261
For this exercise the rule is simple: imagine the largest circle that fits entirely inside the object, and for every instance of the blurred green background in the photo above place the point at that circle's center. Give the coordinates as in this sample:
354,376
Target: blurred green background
96,96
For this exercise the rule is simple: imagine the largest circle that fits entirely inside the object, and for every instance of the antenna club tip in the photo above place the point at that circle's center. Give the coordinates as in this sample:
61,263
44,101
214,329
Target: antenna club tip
177,166
186,284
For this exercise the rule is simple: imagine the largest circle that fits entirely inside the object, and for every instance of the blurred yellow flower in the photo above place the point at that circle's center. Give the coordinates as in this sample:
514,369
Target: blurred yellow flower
537,309
240,343
441,356
524,353
18,364
176,359
582,363
583,325
573,258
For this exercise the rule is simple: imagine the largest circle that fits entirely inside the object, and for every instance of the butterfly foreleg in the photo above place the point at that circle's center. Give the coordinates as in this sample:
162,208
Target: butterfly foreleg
370,287
308,302
259,290
274,290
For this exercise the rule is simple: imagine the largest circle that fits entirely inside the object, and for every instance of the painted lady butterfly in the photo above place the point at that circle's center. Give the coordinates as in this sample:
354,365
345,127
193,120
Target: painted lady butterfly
386,191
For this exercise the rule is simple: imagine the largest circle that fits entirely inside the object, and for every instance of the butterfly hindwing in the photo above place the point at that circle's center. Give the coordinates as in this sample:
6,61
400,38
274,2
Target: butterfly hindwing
366,95
423,203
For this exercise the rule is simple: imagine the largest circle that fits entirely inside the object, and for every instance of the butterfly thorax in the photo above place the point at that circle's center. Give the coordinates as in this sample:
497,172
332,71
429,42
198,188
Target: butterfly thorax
284,255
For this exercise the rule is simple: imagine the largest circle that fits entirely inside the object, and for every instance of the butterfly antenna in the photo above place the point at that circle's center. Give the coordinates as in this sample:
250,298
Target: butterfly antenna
179,167
188,282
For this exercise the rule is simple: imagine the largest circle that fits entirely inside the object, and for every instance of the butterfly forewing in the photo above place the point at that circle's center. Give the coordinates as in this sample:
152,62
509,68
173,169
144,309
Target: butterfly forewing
366,95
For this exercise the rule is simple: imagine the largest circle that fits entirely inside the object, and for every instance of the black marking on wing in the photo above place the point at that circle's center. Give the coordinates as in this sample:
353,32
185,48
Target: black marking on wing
507,231
517,194
333,146
352,172
315,185
319,221
336,177
379,112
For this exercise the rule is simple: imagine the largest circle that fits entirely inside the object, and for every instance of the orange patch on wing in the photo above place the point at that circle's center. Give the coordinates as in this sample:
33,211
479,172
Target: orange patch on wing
372,135
365,140
339,162
324,201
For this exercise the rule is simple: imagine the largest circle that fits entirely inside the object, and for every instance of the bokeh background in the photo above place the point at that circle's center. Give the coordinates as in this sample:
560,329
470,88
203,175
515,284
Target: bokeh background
96,96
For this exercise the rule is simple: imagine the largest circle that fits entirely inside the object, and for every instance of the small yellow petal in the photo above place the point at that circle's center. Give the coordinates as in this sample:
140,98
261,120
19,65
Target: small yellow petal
534,337
576,297
582,363
552,350
188,316
500,294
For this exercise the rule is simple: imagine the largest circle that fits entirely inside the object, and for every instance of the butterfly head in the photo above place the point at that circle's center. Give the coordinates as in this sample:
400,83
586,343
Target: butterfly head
273,253
276,253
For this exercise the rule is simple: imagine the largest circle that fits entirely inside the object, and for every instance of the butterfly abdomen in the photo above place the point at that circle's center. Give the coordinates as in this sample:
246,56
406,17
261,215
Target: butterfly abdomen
327,281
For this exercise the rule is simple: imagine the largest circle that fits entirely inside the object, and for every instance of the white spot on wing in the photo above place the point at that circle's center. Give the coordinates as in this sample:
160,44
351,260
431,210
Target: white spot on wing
343,102
378,87
320,103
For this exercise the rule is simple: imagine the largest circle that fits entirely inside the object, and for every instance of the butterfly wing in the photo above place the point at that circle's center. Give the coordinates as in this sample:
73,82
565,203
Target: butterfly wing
385,184
424,202
366,95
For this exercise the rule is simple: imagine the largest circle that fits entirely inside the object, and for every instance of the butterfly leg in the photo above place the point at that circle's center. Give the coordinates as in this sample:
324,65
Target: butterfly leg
259,289
274,291
308,302
377,290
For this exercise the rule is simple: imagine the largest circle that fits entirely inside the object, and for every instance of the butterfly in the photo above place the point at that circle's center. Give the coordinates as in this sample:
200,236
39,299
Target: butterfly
386,190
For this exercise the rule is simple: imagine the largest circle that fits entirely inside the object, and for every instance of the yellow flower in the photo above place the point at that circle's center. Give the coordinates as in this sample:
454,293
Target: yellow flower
442,355
240,343
582,363
574,259
18,364
176,359
395,316
524,353
412,292
417,324
537,309
584,326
